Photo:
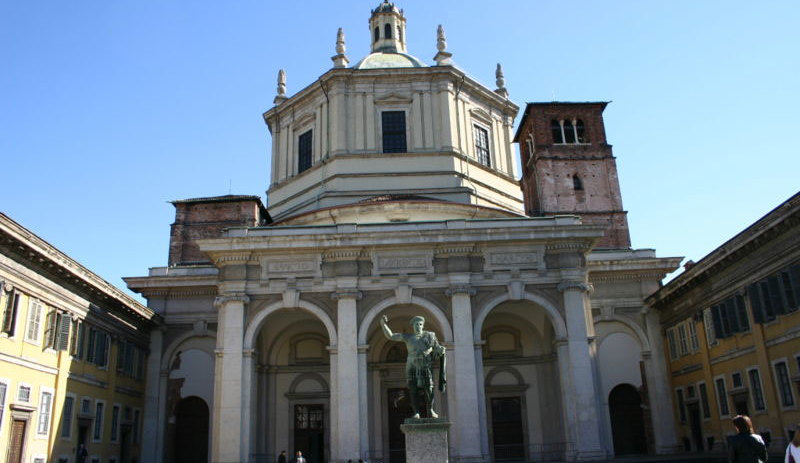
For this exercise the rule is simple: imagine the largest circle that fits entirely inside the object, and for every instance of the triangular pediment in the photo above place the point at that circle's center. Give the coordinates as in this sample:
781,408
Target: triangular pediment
393,98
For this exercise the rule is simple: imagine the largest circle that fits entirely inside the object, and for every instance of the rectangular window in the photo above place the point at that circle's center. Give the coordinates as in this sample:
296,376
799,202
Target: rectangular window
10,312
86,407
736,379
114,423
136,416
673,348
755,386
45,409
704,400
722,397
694,345
50,329
681,405
481,137
62,331
24,393
304,151
97,435
683,340
3,388
784,384
76,339
393,125
34,321
97,352
66,417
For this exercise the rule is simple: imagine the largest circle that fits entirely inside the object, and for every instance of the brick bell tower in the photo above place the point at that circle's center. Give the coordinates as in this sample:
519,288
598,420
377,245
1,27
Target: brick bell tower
569,168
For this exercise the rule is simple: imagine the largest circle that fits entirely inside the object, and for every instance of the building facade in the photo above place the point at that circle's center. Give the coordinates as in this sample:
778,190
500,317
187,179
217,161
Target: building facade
394,192
72,355
732,337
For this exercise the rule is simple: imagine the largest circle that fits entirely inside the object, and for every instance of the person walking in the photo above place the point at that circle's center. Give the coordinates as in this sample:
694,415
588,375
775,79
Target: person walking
793,449
298,458
282,457
746,446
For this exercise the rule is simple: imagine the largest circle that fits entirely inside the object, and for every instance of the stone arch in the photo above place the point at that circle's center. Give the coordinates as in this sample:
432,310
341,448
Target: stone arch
170,351
498,370
559,325
644,342
310,376
434,310
255,325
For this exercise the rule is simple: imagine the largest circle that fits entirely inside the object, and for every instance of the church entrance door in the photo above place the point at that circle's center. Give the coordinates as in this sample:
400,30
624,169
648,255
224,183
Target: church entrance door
508,443
399,409
191,431
627,420
309,432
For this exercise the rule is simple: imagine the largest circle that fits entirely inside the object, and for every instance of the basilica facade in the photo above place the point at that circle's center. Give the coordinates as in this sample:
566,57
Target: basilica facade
394,192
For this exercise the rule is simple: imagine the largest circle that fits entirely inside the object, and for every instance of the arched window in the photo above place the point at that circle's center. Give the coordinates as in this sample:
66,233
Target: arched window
569,132
581,131
577,184
387,31
377,33
558,136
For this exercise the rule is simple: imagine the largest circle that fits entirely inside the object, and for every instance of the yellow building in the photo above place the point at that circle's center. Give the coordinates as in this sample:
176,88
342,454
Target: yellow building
72,354
733,334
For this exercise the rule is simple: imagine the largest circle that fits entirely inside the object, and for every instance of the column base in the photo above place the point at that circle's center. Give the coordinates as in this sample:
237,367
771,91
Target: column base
426,440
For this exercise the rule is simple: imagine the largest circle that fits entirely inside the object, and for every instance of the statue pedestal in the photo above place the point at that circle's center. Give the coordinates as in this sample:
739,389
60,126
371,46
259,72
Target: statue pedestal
426,440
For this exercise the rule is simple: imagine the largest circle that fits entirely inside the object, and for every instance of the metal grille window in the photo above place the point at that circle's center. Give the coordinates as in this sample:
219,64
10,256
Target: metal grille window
704,400
308,417
722,397
393,124
758,393
97,434
114,423
784,384
681,406
481,137
45,409
304,151
24,394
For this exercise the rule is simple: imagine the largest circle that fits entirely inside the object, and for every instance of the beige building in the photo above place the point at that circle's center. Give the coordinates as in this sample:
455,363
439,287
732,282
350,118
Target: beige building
72,355
393,192
733,334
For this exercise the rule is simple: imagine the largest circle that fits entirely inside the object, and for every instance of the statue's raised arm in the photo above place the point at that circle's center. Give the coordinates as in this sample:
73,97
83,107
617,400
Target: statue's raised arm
388,332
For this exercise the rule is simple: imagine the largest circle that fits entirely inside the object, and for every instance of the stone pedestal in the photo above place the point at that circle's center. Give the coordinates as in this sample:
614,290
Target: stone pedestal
426,440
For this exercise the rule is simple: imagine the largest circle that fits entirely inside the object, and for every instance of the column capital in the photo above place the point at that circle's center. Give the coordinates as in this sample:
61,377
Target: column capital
248,353
570,285
346,294
224,299
461,289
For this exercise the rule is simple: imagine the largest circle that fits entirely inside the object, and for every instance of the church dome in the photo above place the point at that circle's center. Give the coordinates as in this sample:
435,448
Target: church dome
382,60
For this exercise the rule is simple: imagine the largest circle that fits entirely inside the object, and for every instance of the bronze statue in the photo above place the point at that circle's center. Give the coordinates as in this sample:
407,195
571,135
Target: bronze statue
422,348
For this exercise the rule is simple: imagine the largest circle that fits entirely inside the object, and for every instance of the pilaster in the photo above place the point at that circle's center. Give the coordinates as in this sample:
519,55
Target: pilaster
585,417
348,401
658,387
152,449
227,444
467,443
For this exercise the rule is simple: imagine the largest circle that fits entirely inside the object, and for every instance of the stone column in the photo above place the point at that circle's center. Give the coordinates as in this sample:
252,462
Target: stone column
658,391
363,401
152,426
585,420
227,444
249,403
348,414
467,423
482,416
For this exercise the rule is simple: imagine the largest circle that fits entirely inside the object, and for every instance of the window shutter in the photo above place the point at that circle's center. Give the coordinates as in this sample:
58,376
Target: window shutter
711,336
62,338
90,352
717,322
755,303
50,331
10,314
741,311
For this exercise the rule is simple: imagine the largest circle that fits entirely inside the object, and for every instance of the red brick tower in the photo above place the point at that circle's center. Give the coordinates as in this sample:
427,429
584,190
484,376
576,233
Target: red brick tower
568,167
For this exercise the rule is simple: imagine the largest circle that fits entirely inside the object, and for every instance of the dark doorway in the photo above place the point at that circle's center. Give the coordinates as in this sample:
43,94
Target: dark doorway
399,409
309,432
124,443
627,420
83,432
17,441
508,443
695,425
191,431
740,404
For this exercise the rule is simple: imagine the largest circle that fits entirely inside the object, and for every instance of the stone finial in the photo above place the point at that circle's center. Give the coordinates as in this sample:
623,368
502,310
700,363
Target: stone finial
501,82
340,60
281,97
442,58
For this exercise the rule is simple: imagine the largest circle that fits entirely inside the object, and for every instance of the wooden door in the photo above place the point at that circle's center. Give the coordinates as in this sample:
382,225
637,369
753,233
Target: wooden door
17,441
508,441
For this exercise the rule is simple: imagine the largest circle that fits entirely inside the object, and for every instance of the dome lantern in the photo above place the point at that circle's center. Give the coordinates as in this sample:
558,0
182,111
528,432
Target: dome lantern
387,26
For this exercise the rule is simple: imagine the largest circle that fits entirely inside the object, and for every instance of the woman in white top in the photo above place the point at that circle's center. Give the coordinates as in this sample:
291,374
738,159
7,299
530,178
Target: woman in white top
793,449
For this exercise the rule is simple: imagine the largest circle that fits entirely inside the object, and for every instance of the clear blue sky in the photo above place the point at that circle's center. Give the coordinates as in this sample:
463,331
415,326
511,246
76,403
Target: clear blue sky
112,109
